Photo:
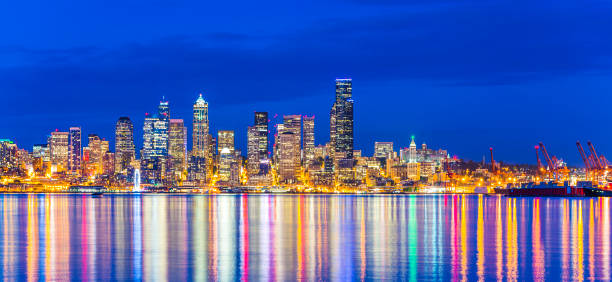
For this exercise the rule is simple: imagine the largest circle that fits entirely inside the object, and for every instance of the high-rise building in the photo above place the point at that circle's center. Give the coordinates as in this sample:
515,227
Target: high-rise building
201,132
8,155
96,148
226,148
177,148
58,149
287,148
341,120
293,124
124,145
412,151
383,150
75,151
261,125
41,151
309,140
225,140
252,150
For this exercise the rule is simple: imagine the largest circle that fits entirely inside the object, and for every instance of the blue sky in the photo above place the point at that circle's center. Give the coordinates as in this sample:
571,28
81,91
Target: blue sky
463,75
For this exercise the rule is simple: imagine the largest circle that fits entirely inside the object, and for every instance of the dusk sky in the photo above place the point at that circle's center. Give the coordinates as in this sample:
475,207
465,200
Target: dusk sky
461,75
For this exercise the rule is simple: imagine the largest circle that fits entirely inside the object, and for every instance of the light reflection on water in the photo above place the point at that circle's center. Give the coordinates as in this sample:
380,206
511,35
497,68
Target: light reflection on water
301,237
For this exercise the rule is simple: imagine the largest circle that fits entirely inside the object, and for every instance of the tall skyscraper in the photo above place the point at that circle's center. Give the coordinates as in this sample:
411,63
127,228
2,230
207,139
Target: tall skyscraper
97,148
124,144
58,149
287,149
293,124
257,147
412,151
155,137
341,120
75,151
226,154
201,139
252,150
177,148
261,125
309,140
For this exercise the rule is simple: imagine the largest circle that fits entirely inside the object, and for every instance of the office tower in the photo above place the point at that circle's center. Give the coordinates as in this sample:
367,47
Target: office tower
226,154
177,148
341,121
8,155
97,147
293,124
201,133
261,125
412,151
162,127
309,141
225,141
58,149
41,151
287,148
383,150
75,150
155,137
125,151
252,150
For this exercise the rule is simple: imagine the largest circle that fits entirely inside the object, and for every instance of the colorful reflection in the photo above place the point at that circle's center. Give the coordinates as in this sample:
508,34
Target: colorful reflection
320,237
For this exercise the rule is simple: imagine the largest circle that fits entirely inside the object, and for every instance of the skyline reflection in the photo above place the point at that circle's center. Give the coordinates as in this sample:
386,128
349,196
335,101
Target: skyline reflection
303,237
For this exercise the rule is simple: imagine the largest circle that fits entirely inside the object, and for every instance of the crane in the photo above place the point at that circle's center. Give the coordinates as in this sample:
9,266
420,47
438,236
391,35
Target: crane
584,158
538,157
547,158
594,154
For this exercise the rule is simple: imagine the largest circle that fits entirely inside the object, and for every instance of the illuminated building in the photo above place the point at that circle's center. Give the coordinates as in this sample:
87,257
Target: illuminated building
225,139
288,147
124,145
58,149
75,150
201,139
8,155
412,151
341,121
414,171
225,162
320,152
257,147
253,158
41,151
96,148
293,124
383,150
108,163
309,140
177,147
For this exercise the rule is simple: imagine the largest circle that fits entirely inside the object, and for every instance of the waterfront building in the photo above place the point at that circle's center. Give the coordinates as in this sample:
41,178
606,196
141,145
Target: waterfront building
226,148
58,150
412,151
124,145
341,120
177,148
309,140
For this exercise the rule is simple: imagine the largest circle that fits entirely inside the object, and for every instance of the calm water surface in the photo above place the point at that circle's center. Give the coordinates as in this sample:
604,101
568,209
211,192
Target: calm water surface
301,237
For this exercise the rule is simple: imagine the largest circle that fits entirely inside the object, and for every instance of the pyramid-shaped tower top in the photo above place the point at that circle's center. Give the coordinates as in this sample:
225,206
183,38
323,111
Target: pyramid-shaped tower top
412,144
200,101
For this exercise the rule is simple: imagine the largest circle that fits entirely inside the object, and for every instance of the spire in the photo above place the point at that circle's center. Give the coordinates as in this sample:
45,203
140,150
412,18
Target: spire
412,144
200,101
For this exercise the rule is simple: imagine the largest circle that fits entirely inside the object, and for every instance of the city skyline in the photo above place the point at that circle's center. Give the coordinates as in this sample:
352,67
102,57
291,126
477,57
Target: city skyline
464,75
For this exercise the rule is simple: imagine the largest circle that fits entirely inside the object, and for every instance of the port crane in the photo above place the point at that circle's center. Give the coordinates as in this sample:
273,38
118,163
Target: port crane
597,166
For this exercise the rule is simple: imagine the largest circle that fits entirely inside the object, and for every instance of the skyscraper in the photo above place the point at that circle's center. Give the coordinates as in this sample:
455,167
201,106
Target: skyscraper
309,140
75,150
252,150
97,148
287,149
201,133
177,148
261,125
226,154
383,150
124,144
341,120
58,149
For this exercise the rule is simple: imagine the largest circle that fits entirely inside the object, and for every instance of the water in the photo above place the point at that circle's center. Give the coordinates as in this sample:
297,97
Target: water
283,238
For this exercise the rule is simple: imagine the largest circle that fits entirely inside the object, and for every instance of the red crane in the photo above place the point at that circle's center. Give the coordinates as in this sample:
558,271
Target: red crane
538,157
583,155
594,154
546,157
